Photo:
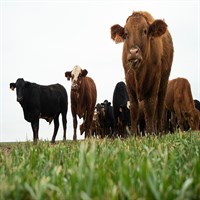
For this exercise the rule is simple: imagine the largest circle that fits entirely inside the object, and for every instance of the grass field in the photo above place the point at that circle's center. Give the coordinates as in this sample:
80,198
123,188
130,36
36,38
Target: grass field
166,167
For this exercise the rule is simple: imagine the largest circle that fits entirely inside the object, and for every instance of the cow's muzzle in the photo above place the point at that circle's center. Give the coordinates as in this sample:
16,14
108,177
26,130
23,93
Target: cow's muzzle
19,99
134,57
74,87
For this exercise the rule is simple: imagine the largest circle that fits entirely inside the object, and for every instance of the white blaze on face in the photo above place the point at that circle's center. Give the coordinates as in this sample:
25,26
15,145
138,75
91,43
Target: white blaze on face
75,73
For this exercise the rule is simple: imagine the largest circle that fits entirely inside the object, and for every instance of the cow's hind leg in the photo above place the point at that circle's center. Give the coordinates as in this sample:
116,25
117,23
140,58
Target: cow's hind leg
75,127
64,122
35,128
160,108
56,126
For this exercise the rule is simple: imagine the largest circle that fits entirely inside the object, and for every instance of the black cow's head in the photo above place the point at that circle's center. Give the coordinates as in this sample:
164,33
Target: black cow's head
21,89
106,105
75,75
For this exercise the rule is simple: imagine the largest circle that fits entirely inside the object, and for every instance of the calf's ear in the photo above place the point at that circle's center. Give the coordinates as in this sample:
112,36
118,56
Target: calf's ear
117,33
84,72
12,86
68,75
157,28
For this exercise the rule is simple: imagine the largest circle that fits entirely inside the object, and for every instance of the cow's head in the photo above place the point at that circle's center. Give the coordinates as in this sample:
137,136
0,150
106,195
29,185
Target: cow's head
139,30
106,108
193,119
21,89
76,75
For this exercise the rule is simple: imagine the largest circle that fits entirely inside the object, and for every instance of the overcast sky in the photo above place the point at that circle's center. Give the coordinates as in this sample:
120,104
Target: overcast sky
41,40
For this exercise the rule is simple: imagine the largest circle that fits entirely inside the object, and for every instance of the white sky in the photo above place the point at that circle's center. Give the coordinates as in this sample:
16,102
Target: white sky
41,40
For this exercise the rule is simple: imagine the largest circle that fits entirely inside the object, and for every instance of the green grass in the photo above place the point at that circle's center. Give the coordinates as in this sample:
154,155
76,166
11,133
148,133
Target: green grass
166,167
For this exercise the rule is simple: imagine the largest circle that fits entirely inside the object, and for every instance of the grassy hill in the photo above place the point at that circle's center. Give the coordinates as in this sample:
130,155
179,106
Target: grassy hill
166,167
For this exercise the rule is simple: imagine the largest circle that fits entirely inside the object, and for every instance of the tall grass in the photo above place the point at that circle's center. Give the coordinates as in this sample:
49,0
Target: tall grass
166,167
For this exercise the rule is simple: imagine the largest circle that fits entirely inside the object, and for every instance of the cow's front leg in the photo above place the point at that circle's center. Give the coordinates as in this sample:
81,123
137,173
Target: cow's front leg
149,110
75,127
35,128
88,123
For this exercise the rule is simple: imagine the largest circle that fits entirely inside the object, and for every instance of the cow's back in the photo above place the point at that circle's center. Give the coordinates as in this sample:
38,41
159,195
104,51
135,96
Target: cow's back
167,56
179,93
53,99
89,92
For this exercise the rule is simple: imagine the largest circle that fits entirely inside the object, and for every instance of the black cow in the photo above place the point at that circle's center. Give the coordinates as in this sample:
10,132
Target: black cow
197,104
106,119
121,110
46,102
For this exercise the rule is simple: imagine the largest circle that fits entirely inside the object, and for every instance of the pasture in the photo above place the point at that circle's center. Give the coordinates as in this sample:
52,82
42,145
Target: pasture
150,167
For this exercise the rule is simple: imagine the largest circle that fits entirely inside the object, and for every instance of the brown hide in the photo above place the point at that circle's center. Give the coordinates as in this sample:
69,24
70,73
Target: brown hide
179,101
83,100
147,58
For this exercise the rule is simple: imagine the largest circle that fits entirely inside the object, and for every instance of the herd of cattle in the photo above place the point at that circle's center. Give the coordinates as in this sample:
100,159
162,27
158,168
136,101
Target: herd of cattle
148,102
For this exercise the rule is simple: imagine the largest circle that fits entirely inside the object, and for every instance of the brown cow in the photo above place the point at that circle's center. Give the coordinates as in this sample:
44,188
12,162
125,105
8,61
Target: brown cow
147,58
179,101
94,128
83,98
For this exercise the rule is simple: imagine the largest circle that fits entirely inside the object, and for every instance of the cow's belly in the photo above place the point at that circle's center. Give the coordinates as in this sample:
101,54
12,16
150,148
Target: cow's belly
48,118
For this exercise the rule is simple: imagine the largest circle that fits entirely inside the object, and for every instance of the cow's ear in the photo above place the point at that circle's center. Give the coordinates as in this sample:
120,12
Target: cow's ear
12,86
157,28
27,84
84,72
117,33
68,75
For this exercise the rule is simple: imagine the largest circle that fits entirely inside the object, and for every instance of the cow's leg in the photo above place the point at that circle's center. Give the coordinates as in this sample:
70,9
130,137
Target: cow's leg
35,128
64,121
181,120
88,123
149,110
173,122
75,127
56,126
160,110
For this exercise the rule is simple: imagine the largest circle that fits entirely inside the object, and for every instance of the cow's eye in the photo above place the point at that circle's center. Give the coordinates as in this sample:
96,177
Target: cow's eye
145,31
125,36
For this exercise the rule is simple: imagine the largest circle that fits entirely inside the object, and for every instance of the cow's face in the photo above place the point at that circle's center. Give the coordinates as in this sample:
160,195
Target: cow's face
193,119
139,29
76,75
100,110
105,106
21,89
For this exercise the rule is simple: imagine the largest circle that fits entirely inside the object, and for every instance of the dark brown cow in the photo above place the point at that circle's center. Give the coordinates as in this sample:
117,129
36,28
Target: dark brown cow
94,128
147,58
180,103
83,98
